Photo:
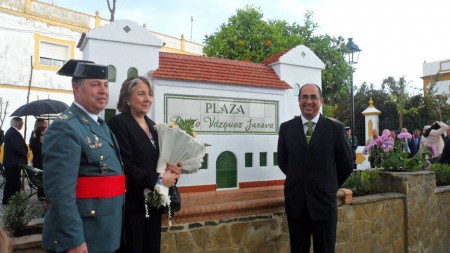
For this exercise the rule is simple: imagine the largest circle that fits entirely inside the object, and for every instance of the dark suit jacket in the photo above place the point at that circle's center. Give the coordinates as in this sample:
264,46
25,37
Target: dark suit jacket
138,155
313,171
412,148
445,157
15,149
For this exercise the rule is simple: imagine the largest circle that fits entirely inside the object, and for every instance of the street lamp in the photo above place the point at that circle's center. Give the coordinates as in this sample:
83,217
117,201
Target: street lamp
353,56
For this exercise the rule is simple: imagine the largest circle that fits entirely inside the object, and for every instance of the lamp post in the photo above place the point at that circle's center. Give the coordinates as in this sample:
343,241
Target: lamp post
353,50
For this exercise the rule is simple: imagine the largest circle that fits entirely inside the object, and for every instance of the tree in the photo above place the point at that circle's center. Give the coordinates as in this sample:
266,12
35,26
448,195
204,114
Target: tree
247,37
337,72
399,97
437,101
112,9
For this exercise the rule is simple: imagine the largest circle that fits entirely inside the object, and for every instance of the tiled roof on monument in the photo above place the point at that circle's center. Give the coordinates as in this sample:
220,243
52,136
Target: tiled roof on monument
216,70
275,57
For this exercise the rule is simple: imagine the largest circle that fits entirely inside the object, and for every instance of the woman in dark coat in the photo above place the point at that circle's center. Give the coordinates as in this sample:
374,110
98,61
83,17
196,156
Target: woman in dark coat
138,142
36,148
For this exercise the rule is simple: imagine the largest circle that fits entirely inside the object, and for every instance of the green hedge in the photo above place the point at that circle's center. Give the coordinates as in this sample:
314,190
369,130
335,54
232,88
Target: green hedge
442,172
363,182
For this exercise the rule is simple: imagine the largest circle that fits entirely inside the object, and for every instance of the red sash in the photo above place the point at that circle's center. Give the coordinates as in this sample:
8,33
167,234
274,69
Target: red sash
100,187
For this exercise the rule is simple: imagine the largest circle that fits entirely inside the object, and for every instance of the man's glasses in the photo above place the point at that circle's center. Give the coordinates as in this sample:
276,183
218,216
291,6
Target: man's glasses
313,98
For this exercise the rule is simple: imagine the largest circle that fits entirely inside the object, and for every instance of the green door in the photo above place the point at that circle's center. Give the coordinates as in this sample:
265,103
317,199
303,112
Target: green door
226,168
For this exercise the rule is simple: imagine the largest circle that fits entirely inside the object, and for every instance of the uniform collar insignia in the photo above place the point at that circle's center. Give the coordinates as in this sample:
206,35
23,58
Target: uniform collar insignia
84,119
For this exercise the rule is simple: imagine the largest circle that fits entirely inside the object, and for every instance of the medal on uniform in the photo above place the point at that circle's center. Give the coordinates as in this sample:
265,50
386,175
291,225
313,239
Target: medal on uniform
96,144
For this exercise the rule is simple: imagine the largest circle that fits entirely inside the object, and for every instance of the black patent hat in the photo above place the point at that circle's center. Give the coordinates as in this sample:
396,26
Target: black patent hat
84,69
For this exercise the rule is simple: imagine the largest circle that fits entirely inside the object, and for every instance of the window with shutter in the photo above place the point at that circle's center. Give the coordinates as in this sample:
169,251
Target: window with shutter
52,53
248,160
263,159
226,170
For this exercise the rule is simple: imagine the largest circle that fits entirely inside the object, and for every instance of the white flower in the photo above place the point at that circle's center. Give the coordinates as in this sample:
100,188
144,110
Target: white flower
163,192
177,146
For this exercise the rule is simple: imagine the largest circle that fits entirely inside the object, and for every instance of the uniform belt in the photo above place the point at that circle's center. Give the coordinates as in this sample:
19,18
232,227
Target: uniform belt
100,187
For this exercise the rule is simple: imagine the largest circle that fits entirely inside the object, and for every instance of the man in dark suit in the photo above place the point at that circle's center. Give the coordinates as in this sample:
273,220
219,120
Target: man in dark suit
16,152
446,137
354,146
316,160
414,143
83,176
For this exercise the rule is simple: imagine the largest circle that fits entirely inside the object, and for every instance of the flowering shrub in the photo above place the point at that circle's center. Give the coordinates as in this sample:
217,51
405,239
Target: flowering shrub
388,154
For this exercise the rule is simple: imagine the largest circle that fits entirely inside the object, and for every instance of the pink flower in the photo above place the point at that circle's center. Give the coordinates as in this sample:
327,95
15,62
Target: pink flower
383,142
404,136
365,150
387,145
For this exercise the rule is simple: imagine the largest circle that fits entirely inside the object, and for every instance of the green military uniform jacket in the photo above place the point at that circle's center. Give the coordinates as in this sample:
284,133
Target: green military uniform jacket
75,145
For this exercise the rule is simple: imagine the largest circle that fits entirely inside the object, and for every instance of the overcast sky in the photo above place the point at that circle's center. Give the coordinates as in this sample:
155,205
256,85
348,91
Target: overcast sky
396,36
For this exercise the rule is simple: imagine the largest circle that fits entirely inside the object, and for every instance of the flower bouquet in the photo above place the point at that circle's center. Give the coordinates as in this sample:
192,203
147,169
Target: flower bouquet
175,145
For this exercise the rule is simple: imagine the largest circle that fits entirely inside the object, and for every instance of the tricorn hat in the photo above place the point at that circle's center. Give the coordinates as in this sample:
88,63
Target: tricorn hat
84,69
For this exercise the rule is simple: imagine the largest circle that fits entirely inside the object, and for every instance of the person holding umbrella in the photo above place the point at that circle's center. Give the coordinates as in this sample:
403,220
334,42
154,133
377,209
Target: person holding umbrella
83,176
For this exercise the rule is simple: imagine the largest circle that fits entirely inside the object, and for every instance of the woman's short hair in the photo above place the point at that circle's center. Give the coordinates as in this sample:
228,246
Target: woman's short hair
127,89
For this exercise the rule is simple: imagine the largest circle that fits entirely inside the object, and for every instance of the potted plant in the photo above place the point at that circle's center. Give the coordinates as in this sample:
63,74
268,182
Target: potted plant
18,214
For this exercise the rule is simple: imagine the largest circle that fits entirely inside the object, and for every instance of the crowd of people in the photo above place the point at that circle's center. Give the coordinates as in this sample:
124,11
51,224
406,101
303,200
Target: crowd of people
434,137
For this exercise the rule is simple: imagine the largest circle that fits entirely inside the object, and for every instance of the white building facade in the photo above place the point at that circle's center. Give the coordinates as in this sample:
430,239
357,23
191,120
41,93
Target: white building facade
37,38
238,106
437,72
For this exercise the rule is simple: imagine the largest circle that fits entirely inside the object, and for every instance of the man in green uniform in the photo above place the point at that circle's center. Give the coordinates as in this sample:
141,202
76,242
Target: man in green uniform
83,176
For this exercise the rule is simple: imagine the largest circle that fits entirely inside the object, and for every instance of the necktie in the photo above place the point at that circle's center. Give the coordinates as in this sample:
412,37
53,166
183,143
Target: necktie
309,131
105,127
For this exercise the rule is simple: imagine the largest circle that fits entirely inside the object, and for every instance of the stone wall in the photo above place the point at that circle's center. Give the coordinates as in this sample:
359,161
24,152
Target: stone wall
412,216
443,193
426,215
263,233
370,224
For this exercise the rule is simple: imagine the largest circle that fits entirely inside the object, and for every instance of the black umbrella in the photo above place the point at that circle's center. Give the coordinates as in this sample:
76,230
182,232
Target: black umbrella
41,107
